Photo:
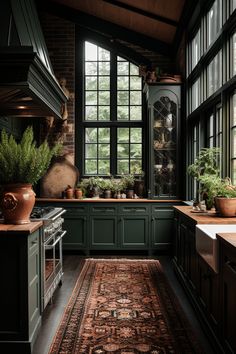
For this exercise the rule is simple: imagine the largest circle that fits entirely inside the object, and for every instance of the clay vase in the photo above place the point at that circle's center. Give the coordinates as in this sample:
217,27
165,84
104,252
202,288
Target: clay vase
78,193
17,203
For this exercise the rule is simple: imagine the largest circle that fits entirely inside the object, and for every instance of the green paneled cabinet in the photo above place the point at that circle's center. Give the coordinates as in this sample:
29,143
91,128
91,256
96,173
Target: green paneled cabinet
100,225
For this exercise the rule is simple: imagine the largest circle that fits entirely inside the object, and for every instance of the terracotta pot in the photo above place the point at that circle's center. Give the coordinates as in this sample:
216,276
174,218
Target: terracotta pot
17,203
129,193
69,193
225,206
78,193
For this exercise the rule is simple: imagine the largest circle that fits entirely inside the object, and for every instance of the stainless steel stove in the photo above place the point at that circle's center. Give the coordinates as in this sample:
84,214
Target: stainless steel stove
51,249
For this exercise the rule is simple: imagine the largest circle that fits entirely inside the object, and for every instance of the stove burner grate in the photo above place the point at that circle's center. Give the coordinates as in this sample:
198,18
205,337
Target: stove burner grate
40,212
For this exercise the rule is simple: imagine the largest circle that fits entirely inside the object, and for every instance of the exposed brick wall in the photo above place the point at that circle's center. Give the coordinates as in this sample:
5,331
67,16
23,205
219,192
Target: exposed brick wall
59,35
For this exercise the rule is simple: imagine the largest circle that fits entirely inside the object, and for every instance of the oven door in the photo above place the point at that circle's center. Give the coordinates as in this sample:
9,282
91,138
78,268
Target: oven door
52,264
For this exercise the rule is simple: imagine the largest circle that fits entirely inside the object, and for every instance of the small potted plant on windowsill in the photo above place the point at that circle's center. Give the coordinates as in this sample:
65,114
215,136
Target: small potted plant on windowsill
128,183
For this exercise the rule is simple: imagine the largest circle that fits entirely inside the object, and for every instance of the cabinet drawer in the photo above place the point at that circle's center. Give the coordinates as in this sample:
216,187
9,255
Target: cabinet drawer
79,210
99,209
133,209
163,213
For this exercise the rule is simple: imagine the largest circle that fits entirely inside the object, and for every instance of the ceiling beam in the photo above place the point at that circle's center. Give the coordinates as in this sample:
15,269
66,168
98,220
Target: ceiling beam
142,12
111,30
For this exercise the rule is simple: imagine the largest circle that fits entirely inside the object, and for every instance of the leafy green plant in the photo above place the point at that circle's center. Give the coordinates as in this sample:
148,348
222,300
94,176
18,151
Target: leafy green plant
128,181
215,186
206,169
24,162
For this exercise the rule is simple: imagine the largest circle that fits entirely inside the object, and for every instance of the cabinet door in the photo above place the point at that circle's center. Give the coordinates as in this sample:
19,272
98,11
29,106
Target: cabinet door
208,290
34,280
75,223
162,227
103,232
133,231
164,112
228,288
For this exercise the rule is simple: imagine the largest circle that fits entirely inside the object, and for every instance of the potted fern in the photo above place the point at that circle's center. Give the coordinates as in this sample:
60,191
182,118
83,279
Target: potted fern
22,165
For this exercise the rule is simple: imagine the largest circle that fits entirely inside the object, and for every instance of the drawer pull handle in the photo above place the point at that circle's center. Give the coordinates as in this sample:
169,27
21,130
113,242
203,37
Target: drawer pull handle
232,266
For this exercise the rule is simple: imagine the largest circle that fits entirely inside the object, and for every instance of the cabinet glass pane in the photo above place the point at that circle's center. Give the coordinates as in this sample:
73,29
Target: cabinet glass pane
165,111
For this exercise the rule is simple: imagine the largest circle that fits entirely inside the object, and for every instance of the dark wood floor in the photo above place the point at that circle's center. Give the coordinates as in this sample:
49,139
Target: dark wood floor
72,267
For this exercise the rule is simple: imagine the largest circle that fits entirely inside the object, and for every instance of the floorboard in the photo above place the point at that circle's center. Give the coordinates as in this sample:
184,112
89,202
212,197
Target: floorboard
72,266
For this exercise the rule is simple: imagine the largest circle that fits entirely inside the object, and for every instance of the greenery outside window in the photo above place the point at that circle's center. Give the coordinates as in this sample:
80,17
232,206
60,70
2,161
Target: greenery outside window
112,122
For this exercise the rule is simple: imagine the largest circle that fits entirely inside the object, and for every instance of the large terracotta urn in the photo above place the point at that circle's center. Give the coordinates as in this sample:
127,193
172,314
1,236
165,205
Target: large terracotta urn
17,203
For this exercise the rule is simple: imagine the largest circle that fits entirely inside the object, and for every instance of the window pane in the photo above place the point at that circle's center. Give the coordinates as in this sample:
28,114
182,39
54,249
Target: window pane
135,150
91,135
104,68
91,113
104,113
195,95
91,167
135,83
91,151
103,54
104,150
214,74
233,55
123,135
90,51
123,68
122,166
122,82
91,98
214,21
104,98
195,46
91,82
136,135
135,97
123,113
136,113
134,70
233,118
233,172
233,5
103,167
91,68
104,83
122,98
123,150
135,165
104,135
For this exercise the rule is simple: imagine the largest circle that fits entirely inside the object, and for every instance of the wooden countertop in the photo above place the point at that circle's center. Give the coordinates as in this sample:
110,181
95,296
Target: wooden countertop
110,200
25,229
228,238
209,218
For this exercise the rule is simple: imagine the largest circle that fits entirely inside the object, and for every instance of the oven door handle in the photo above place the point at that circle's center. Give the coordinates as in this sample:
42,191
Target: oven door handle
58,214
47,247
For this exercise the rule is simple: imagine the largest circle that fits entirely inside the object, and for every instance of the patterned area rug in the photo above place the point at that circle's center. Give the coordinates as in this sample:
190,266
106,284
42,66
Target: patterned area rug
123,307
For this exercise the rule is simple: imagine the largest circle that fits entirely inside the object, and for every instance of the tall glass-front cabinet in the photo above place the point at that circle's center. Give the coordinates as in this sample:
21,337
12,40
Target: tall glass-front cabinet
163,102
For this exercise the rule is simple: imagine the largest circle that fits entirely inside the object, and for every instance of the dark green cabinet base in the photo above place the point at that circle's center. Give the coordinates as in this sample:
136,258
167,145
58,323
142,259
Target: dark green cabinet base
116,226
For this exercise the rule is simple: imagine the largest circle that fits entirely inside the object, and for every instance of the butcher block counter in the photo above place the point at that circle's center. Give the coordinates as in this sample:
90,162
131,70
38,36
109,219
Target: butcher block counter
20,229
210,217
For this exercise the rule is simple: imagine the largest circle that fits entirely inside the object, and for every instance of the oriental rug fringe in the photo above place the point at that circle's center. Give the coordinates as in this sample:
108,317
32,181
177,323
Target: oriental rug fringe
123,307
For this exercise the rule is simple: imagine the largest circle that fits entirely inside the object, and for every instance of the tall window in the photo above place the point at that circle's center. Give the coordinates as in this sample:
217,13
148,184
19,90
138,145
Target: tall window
112,113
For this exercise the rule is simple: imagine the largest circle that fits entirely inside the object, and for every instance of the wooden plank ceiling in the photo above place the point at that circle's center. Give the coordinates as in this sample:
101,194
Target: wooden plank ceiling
155,19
